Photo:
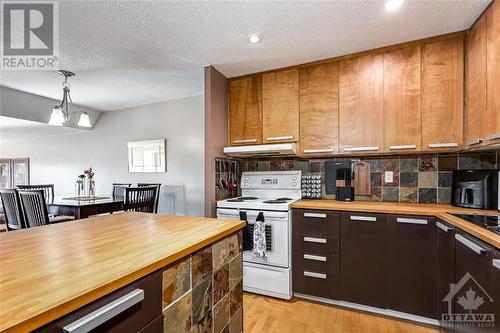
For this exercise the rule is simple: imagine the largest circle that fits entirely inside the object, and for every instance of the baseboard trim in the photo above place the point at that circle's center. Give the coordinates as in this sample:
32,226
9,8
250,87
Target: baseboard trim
366,308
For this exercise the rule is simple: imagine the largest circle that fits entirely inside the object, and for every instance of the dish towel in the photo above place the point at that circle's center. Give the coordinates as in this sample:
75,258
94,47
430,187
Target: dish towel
259,237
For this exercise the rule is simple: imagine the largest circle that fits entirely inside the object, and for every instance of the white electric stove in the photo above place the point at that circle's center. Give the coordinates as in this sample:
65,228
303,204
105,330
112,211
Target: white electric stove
271,193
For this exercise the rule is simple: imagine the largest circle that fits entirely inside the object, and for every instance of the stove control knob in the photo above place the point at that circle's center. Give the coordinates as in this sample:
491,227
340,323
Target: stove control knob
294,184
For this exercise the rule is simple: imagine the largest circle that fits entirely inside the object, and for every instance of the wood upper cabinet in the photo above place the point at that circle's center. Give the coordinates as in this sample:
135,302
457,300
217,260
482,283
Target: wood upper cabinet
280,95
245,111
476,84
318,99
493,76
442,95
402,121
361,104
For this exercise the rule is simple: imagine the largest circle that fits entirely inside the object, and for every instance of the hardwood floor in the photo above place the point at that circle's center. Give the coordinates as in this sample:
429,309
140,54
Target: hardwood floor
266,314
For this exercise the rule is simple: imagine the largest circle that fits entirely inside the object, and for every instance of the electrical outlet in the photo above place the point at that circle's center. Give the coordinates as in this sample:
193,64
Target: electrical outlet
389,177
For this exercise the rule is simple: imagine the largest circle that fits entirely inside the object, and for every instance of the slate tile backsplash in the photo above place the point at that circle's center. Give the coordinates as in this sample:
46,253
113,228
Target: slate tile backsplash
421,178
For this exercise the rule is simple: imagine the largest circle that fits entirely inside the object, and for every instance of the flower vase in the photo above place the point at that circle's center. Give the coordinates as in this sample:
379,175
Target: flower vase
91,188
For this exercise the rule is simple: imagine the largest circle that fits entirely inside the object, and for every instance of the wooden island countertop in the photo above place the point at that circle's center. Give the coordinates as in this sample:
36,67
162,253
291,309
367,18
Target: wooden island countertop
437,210
49,271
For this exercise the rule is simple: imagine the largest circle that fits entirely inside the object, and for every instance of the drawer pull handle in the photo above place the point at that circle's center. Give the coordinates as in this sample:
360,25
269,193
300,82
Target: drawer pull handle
316,151
315,275
105,313
363,218
474,142
470,244
245,141
410,221
313,257
493,137
443,145
279,138
443,227
496,263
403,147
361,148
315,240
318,215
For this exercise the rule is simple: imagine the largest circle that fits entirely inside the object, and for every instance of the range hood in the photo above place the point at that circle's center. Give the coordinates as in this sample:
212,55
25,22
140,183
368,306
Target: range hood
260,150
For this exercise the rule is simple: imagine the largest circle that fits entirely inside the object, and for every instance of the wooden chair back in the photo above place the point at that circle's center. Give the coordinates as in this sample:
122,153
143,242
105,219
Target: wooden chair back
140,199
48,190
157,199
34,207
119,190
14,218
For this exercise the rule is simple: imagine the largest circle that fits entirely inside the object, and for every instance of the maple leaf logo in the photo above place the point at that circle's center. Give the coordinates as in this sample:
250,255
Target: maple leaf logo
470,301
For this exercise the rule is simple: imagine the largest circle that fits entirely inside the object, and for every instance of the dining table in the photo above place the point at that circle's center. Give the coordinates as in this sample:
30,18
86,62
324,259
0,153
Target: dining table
83,208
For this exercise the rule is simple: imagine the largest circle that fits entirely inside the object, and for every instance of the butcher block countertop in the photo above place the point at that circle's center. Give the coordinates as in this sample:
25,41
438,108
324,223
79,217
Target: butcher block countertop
47,272
439,211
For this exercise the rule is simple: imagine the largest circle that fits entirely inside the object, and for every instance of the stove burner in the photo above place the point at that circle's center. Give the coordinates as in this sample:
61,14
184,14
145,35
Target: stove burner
277,201
285,198
490,222
241,199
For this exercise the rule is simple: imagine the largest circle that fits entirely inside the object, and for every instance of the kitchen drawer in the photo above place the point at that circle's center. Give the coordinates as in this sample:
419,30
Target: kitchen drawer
314,244
316,262
316,222
136,315
316,283
155,327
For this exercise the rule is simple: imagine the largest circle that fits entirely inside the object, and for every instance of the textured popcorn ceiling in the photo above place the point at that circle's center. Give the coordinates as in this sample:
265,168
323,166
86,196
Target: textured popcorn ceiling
128,53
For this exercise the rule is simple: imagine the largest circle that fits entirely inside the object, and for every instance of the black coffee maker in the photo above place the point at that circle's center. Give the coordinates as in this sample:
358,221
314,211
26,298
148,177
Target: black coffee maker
475,189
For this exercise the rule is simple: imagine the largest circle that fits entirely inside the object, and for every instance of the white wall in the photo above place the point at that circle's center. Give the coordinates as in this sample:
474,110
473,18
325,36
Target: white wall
59,159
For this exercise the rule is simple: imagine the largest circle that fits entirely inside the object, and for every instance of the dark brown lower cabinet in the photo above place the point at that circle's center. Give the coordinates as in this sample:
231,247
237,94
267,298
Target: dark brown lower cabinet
140,304
411,264
445,271
363,256
474,290
495,282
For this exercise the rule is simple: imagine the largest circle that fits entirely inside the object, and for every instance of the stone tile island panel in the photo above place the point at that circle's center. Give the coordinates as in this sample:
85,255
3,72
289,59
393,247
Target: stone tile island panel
203,292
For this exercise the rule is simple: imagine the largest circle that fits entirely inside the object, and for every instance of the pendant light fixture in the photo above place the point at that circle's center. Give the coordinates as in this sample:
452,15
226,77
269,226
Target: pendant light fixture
61,113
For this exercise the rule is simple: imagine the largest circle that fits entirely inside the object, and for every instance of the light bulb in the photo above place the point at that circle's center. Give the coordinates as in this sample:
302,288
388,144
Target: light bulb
57,117
392,5
254,39
84,120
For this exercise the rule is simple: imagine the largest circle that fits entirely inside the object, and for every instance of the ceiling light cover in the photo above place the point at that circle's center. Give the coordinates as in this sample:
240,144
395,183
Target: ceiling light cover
392,5
84,120
57,117
254,39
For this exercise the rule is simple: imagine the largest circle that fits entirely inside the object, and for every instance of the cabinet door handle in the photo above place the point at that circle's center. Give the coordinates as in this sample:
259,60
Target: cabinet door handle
315,275
496,263
410,221
403,147
443,227
315,240
279,138
470,244
443,145
361,148
318,215
105,313
474,142
245,141
363,218
316,151
493,137
314,257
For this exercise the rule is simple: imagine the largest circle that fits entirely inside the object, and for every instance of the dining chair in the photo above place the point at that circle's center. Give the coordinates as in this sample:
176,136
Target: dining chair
14,218
140,199
157,199
34,207
119,190
47,188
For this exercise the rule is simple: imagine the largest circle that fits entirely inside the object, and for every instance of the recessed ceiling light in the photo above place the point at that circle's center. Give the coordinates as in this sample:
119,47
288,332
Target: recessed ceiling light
392,5
254,39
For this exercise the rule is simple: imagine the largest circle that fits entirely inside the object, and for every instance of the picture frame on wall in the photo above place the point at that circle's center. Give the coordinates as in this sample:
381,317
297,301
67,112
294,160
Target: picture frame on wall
20,171
5,173
147,156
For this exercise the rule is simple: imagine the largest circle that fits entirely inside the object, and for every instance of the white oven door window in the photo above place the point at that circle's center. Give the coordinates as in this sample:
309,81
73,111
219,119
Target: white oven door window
277,235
